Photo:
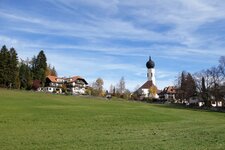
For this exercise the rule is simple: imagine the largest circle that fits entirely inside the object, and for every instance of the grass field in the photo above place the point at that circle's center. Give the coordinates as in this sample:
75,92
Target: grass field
30,120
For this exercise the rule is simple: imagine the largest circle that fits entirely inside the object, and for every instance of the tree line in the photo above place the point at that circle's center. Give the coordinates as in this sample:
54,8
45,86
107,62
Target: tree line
23,74
119,91
207,85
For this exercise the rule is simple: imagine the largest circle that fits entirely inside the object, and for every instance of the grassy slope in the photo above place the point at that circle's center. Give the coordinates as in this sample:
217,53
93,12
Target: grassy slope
41,121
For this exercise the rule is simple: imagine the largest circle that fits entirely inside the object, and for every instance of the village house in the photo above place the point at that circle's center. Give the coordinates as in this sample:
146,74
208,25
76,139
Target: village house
168,93
75,85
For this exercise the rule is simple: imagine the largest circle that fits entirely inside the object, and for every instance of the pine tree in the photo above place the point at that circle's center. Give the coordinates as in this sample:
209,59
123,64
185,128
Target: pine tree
203,89
190,86
40,67
33,67
13,67
187,87
4,67
1,66
25,76
181,90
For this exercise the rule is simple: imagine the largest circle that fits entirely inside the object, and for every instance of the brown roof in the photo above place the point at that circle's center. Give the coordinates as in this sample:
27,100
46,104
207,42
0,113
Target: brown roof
76,78
170,90
147,85
52,78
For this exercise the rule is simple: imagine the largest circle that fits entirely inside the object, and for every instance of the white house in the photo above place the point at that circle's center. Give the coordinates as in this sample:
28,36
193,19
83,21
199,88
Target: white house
53,84
76,84
168,93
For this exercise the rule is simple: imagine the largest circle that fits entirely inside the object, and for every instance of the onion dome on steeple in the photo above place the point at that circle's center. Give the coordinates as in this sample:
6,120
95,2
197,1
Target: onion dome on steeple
150,64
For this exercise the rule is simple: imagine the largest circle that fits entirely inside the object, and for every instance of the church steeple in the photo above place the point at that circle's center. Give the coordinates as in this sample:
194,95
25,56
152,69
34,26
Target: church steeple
150,70
150,63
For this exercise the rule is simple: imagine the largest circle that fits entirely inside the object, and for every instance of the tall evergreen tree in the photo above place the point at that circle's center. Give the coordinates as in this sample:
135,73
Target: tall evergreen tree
190,86
13,67
203,89
1,66
182,84
25,76
4,66
204,92
41,66
33,66
187,86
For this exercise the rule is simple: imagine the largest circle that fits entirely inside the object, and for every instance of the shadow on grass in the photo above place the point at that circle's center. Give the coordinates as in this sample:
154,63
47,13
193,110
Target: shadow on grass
192,108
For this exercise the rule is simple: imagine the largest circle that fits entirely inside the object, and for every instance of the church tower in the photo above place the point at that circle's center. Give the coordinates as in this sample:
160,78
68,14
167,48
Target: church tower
150,70
149,89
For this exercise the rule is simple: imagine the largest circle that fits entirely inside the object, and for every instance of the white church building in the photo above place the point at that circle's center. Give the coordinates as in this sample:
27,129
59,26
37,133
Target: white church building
149,89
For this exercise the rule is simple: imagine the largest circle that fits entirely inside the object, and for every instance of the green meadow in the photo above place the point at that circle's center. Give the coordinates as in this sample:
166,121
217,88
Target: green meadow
31,120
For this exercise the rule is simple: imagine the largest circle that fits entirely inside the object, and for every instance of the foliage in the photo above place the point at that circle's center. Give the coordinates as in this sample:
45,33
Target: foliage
9,72
97,87
111,88
135,96
41,66
210,82
153,91
14,70
25,76
64,88
186,86
88,91
36,84
50,71
121,86
15,74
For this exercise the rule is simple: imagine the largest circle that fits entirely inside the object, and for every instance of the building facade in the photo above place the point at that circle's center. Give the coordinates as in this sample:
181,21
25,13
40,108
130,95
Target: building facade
74,85
168,93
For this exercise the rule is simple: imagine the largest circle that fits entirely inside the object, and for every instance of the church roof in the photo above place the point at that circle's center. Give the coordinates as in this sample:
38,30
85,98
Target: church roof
150,64
147,85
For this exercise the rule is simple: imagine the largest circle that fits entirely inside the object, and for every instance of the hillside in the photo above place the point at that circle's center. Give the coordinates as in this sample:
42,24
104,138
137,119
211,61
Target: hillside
30,120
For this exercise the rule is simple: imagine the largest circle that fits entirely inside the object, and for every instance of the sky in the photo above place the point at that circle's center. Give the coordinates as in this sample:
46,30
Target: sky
114,38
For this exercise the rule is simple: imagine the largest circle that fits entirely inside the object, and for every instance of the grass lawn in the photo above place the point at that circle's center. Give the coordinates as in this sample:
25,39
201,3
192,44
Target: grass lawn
30,120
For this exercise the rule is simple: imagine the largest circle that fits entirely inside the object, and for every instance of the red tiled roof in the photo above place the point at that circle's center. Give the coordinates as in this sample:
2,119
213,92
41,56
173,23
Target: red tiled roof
52,78
75,78
169,90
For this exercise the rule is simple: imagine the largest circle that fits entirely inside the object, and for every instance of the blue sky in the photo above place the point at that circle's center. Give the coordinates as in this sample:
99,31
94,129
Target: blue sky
113,38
